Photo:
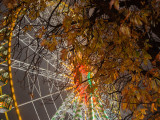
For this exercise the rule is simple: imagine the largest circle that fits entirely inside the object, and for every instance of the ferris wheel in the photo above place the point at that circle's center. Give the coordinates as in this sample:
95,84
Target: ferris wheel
43,91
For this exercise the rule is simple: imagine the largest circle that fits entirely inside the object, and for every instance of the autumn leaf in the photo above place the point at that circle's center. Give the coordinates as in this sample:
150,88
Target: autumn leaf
52,46
143,111
147,56
154,85
158,57
1,36
111,3
64,54
125,30
115,75
153,108
141,117
9,5
67,23
43,43
136,21
138,95
124,106
116,4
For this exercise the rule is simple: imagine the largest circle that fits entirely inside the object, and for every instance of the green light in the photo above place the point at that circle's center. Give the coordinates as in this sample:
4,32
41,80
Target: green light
89,79
90,83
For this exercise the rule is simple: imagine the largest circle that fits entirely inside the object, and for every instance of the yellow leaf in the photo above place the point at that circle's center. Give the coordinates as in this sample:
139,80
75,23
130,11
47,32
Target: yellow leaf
139,22
147,56
138,96
125,30
136,20
154,86
116,4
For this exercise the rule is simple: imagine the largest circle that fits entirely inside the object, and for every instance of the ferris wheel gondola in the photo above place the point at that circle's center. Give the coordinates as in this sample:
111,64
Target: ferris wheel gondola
3,77
6,103
3,53
3,58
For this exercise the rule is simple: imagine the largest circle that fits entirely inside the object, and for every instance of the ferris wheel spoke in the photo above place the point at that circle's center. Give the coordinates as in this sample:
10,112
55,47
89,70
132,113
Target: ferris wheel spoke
34,100
41,72
35,110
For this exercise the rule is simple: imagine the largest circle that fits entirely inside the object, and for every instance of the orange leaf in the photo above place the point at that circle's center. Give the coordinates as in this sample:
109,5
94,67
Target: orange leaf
64,54
141,117
153,108
124,106
143,111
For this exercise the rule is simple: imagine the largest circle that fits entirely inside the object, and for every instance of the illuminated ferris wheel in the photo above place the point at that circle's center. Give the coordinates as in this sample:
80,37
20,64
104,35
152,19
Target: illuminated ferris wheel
53,89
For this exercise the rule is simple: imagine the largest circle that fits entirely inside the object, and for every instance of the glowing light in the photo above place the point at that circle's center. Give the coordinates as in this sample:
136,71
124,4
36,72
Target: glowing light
92,107
83,91
9,65
6,115
98,112
89,79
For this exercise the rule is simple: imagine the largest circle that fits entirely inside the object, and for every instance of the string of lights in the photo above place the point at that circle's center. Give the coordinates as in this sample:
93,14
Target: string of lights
9,66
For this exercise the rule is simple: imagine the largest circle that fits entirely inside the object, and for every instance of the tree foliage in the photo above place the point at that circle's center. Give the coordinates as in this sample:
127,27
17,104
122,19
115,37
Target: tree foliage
114,38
